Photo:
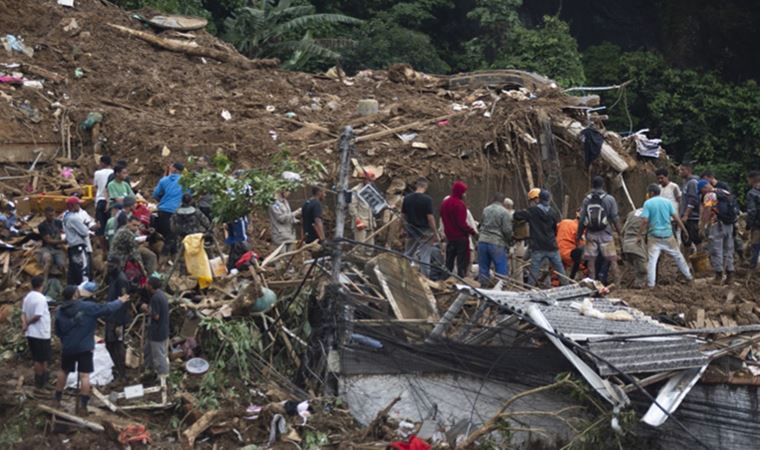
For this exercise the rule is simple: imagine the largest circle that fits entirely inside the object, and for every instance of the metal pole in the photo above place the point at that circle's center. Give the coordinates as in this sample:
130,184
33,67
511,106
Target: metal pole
346,146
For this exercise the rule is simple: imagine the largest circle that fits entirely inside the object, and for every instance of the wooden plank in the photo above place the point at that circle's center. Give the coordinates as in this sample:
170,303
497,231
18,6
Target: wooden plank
72,418
700,318
409,297
99,395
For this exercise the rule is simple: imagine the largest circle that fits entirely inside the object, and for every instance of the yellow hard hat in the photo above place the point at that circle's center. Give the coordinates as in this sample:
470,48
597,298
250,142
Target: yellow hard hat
534,193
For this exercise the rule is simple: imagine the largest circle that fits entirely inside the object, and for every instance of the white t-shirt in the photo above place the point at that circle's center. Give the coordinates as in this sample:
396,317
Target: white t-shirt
35,304
101,183
672,192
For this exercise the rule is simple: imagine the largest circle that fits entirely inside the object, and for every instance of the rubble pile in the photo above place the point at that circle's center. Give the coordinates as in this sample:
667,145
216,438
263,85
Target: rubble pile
264,356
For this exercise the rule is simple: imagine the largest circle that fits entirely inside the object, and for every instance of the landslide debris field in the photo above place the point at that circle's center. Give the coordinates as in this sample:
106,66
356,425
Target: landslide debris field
159,106
151,98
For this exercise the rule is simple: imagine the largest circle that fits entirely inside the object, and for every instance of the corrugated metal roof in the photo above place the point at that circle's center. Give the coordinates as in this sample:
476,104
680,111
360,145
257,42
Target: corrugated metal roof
647,356
629,356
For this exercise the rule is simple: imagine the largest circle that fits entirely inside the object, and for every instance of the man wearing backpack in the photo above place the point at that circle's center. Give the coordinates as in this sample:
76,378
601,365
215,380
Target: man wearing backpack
753,217
719,214
599,215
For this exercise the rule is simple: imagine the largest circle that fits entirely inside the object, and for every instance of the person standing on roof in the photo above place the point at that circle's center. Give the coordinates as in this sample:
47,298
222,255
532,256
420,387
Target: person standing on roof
542,220
169,192
689,207
494,240
719,214
100,180
78,242
456,229
598,218
75,323
657,216
119,188
362,218
419,225
35,324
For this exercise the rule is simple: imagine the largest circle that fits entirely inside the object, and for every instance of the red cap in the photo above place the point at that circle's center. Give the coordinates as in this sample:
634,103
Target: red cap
73,201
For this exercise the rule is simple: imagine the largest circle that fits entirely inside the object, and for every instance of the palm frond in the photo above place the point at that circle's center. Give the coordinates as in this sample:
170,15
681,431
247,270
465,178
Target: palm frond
299,23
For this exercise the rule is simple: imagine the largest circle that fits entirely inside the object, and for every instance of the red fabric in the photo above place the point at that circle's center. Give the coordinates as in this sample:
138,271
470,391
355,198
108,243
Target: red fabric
246,258
454,214
142,212
414,443
134,273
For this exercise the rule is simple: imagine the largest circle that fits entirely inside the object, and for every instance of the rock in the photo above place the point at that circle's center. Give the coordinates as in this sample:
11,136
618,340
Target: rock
368,107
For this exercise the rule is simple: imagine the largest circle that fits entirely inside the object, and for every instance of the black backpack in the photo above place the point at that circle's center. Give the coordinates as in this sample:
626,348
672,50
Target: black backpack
596,213
728,208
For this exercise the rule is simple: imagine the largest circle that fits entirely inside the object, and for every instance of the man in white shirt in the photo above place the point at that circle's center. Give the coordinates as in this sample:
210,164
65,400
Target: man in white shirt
101,197
670,191
35,323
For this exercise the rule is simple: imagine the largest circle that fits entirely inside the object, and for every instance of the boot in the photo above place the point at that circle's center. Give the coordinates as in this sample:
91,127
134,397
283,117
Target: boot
729,278
39,381
718,278
81,408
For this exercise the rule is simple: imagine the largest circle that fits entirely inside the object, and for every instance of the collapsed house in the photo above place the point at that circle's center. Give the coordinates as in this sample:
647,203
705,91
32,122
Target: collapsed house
98,82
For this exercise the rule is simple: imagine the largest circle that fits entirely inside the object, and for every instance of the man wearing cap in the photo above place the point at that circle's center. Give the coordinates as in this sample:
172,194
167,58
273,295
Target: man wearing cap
169,192
75,323
457,229
283,220
78,241
542,220
362,220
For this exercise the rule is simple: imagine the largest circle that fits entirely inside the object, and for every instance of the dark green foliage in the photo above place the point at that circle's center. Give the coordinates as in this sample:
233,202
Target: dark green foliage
698,115
380,43
549,50
283,29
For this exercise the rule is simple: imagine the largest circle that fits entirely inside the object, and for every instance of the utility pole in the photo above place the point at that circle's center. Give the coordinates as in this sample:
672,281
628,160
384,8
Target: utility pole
346,146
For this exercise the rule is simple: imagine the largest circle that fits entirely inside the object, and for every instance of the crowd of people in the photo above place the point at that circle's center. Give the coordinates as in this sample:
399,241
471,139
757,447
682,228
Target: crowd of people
698,217
137,241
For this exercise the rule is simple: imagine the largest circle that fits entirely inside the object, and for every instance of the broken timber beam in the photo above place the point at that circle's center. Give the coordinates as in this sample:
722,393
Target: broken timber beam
72,418
448,316
193,49
608,154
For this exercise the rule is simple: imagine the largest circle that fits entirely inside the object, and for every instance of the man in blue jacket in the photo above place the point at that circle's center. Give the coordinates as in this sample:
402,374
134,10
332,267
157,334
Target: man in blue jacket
169,192
75,323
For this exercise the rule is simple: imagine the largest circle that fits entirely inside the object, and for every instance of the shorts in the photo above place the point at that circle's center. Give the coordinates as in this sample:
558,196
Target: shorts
40,349
692,226
597,243
157,356
56,255
78,362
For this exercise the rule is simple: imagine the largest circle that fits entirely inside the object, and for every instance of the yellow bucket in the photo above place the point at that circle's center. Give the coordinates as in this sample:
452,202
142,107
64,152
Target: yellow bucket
700,261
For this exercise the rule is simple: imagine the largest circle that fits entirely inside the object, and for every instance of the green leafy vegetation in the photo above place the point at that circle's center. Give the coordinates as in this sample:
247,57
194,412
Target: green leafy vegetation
238,194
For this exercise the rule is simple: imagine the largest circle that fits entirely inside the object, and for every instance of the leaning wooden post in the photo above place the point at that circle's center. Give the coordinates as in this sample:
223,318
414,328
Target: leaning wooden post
346,146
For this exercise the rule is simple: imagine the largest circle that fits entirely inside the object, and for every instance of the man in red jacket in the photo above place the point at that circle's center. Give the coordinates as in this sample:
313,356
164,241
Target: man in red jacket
456,229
